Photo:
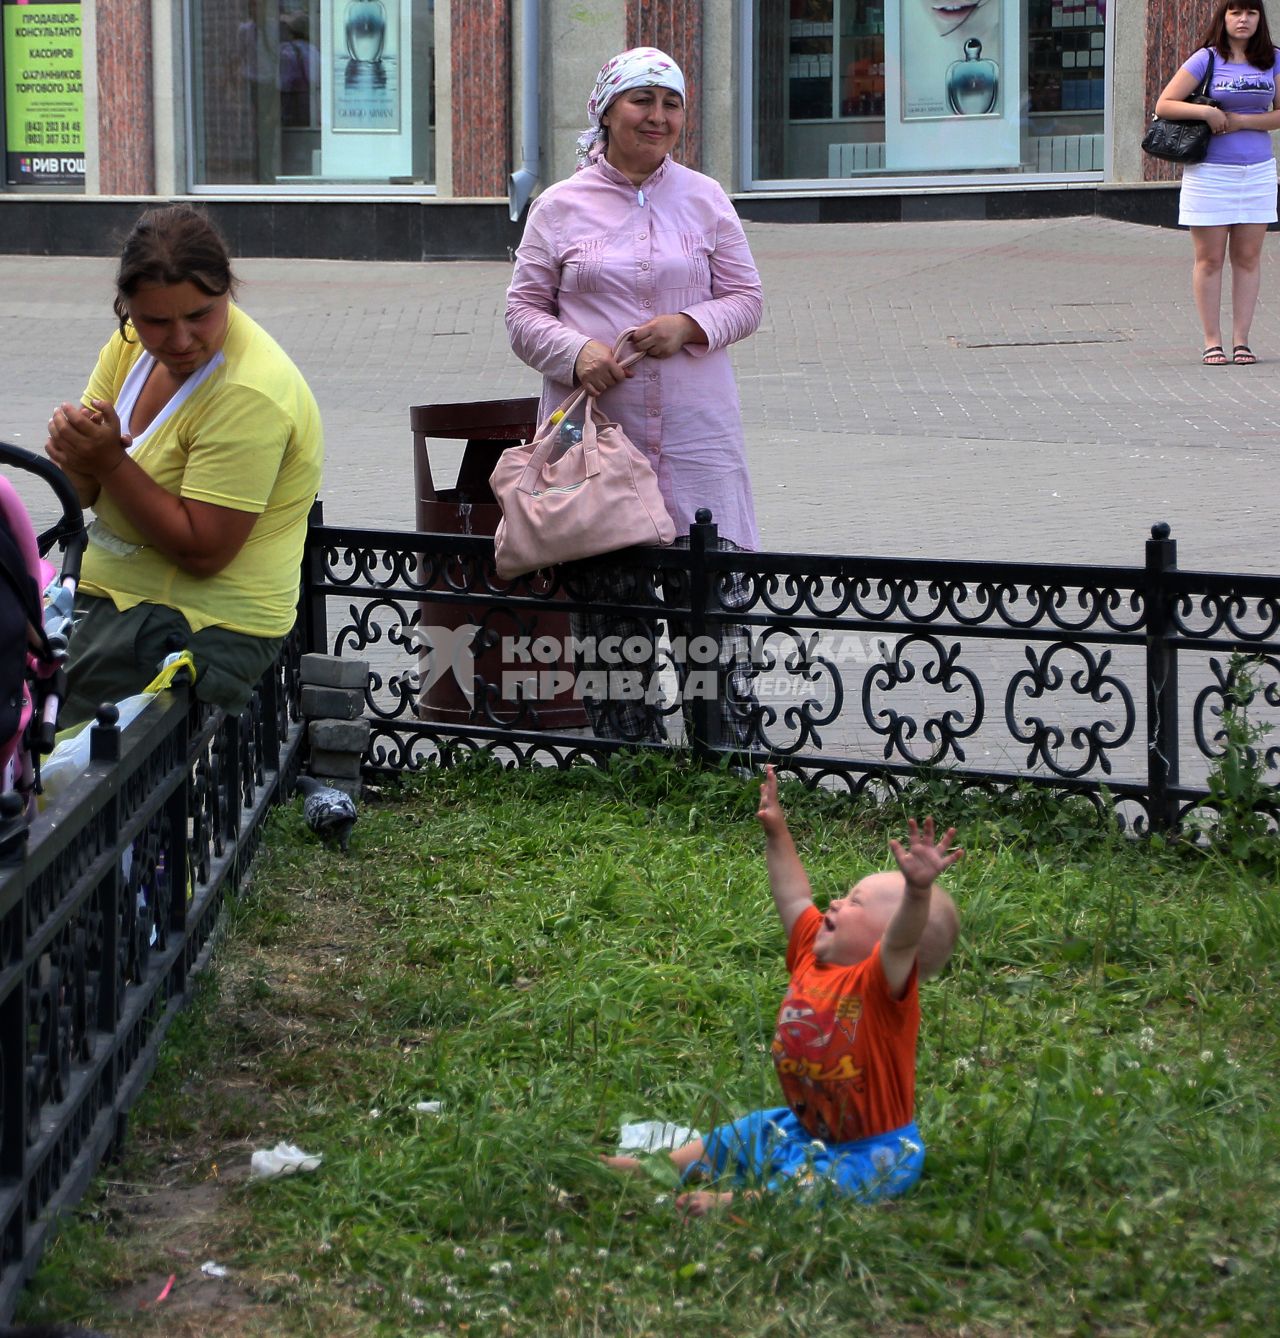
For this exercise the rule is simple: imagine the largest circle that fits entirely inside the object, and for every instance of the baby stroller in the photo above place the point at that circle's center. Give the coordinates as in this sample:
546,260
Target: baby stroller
35,632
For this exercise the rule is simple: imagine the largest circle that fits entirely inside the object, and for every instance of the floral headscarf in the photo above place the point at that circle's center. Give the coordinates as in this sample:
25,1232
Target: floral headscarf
641,67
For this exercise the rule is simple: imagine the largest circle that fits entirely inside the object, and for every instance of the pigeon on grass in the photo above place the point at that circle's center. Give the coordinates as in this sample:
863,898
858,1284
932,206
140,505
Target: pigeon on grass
329,812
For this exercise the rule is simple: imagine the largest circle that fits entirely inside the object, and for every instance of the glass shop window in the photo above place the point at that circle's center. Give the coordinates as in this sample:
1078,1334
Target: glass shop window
312,93
848,89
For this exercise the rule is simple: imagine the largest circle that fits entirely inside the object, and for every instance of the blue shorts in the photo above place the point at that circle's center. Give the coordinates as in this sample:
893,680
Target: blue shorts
769,1146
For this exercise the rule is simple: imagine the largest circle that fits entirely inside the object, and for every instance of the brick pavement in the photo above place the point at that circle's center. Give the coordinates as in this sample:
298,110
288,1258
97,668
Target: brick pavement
1023,390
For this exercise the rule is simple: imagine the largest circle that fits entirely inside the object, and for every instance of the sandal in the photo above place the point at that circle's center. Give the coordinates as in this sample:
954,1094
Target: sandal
1242,356
1214,356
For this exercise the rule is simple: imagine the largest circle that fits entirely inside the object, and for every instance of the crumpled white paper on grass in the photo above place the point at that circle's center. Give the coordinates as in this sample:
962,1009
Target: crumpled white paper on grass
283,1159
654,1136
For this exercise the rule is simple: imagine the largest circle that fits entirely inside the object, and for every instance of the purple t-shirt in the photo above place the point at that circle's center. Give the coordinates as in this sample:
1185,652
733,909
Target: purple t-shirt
1245,90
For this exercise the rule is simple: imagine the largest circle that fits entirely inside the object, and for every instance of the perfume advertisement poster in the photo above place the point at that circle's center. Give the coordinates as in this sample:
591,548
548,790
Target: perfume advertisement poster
366,66
951,58
953,80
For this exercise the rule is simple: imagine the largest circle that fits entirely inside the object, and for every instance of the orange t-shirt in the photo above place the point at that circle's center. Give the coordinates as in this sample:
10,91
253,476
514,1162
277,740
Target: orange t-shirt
844,1048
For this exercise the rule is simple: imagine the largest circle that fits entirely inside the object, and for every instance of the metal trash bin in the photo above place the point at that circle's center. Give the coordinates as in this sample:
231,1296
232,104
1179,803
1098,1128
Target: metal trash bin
469,507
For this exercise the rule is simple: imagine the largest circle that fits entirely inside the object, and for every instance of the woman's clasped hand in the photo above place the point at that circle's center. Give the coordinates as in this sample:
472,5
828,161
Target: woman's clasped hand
596,369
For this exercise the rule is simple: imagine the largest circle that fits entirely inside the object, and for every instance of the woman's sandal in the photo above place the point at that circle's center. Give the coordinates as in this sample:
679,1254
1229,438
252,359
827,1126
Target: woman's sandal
1214,356
1242,356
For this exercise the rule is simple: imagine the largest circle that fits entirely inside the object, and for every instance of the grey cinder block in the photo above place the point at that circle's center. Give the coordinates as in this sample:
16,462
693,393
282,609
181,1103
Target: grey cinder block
332,703
332,671
325,763
339,736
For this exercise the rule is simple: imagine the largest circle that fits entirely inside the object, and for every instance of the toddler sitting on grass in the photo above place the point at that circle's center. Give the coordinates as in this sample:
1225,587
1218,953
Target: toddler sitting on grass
845,1042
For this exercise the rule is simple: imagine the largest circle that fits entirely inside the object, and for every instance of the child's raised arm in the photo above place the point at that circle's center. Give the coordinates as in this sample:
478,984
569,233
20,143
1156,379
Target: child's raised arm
920,863
787,879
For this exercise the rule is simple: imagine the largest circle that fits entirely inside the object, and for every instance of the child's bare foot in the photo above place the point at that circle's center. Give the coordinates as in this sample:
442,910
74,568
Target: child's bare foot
630,1165
700,1202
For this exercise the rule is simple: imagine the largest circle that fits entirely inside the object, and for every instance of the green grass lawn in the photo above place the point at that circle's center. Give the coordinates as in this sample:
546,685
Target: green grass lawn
550,954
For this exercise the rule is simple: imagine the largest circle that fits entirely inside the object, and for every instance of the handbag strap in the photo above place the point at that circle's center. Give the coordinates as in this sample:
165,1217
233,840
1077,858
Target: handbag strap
545,437
1203,88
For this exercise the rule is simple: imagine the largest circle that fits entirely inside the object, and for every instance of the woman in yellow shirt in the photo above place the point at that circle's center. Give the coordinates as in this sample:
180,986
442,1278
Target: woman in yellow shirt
199,447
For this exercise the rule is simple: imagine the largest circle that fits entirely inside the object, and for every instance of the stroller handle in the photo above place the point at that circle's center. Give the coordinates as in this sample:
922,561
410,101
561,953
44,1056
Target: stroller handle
69,532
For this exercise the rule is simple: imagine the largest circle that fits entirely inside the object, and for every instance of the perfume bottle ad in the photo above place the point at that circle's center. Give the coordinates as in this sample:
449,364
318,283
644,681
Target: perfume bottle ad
953,84
951,53
366,59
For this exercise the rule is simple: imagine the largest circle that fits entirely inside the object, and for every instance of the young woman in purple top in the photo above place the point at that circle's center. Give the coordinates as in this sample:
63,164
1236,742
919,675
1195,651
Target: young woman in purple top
1228,200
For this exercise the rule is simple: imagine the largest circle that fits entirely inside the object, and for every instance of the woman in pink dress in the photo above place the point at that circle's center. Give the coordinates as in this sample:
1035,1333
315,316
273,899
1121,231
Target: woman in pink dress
635,239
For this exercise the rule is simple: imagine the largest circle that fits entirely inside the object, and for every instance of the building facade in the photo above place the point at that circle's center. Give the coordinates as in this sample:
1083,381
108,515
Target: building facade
800,108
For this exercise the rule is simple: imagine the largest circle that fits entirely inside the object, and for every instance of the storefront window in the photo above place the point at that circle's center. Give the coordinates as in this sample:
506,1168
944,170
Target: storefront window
850,89
325,94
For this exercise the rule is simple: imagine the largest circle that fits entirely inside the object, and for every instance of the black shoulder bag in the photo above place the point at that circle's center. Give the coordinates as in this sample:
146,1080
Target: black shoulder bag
1182,141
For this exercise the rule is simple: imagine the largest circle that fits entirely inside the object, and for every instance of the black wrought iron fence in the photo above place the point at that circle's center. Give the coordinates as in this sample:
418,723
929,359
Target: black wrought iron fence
856,670
842,670
108,904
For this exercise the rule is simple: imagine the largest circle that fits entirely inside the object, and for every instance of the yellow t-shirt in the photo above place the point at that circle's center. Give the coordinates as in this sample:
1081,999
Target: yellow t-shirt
247,437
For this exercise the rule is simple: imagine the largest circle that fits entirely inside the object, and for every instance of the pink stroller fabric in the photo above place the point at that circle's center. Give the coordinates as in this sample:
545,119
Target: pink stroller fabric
16,766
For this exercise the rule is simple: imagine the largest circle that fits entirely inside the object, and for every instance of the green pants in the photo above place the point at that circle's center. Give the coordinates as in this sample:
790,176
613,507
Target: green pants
114,655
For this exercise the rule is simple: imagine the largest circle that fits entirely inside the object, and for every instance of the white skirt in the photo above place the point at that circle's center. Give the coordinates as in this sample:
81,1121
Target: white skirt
1218,194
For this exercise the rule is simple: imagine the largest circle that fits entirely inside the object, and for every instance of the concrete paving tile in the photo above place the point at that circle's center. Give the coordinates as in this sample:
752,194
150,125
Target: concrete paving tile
1018,390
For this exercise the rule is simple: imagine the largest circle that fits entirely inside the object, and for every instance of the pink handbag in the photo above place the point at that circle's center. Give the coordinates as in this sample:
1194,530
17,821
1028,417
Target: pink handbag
599,496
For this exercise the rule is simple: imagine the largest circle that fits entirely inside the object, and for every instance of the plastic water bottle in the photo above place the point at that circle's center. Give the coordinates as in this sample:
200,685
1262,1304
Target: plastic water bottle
570,434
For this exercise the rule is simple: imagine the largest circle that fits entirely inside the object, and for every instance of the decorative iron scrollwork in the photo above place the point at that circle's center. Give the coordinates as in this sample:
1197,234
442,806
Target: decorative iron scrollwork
786,667
1089,682
1212,701
945,730
1205,614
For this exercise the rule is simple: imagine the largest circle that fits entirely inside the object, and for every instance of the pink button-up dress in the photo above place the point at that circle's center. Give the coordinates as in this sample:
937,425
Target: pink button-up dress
598,255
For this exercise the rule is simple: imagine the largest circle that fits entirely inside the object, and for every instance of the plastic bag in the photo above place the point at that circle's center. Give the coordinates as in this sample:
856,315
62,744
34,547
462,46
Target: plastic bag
283,1159
71,753
654,1136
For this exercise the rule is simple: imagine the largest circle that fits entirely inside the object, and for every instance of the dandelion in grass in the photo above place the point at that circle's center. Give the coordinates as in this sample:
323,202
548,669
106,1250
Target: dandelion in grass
963,1065
1147,1039
1206,1056
459,1252
500,1269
